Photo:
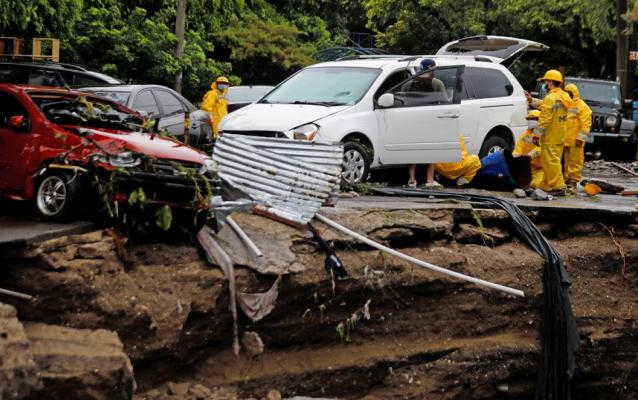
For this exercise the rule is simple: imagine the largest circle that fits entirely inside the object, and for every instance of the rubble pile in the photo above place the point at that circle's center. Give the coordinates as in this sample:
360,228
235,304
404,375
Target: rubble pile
602,168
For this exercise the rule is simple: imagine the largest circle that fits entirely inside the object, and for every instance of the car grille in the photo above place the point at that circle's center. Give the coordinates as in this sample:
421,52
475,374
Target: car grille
174,168
598,123
272,134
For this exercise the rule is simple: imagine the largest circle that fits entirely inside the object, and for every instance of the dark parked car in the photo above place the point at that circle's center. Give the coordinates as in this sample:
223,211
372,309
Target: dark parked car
52,74
611,132
157,101
241,96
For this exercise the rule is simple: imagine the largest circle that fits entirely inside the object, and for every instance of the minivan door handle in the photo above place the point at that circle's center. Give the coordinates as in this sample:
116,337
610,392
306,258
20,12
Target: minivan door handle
449,116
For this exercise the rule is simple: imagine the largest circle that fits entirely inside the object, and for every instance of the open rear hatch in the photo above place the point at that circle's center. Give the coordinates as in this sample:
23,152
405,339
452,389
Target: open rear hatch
501,49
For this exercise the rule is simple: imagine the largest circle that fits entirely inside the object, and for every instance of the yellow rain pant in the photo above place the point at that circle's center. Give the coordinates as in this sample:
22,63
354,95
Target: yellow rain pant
574,159
551,155
525,147
466,168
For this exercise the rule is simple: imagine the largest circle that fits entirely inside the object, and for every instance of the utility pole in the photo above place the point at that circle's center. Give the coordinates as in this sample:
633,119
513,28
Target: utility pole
622,48
180,28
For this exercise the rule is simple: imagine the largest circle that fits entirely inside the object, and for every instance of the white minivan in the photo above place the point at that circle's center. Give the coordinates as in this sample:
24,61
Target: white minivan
386,115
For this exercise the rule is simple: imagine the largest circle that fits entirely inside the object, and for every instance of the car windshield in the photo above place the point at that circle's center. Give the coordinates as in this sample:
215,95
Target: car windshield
599,92
69,109
118,97
326,86
247,94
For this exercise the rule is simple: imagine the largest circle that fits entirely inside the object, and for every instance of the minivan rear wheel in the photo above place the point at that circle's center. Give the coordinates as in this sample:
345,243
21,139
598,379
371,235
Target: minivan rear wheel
493,144
356,162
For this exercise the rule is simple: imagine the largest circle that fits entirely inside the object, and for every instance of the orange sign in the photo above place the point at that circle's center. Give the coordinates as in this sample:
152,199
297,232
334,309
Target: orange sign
633,55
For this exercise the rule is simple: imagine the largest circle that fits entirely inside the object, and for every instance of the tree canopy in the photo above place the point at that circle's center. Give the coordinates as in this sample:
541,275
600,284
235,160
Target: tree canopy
263,41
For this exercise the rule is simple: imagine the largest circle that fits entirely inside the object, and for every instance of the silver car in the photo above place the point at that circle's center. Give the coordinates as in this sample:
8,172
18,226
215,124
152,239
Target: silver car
157,101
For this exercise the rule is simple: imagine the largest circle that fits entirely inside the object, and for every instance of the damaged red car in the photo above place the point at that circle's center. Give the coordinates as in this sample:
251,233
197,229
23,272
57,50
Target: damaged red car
63,149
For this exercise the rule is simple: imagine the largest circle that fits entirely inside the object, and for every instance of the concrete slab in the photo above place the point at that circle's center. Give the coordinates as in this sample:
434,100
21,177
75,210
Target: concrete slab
17,231
606,204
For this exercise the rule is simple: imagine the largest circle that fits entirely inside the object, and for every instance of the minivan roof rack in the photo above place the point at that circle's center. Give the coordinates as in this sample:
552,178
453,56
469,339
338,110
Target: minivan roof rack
371,57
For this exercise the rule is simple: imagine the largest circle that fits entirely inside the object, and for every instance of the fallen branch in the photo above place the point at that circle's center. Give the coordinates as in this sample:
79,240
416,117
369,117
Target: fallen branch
621,250
416,261
627,170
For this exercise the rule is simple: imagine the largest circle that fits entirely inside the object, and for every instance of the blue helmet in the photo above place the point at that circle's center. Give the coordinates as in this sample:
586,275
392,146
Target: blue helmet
427,63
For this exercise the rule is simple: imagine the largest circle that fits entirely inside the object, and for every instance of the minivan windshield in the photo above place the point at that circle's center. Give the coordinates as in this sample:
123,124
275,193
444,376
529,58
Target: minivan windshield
599,92
325,86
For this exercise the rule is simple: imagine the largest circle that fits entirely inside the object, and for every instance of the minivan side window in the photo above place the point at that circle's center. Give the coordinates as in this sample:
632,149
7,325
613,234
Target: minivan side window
430,88
391,81
489,83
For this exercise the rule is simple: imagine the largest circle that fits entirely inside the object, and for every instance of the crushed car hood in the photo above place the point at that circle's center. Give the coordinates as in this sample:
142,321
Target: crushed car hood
276,117
144,143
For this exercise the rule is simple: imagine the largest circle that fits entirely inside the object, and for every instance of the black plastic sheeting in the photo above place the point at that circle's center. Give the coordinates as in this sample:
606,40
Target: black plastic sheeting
559,336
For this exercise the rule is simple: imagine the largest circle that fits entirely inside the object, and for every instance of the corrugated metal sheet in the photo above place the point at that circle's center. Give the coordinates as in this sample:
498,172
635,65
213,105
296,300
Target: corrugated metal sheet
292,178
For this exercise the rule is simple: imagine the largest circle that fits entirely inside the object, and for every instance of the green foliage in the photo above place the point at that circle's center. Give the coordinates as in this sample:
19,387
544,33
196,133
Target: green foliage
164,217
263,41
255,43
578,31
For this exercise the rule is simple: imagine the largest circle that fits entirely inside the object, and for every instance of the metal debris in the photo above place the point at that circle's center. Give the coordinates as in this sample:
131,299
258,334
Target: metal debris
291,178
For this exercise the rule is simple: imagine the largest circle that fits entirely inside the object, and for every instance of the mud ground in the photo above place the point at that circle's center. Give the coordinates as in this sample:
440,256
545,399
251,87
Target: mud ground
392,331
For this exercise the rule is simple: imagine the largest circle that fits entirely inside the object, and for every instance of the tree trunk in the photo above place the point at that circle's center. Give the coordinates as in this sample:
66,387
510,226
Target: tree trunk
180,27
622,48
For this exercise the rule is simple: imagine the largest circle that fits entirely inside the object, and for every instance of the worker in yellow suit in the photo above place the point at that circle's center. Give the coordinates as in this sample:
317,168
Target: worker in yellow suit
463,171
551,129
526,146
215,102
577,130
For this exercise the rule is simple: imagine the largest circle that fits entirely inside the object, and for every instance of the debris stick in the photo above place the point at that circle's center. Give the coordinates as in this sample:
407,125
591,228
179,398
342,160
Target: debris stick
416,261
216,255
16,294
244,237
627,170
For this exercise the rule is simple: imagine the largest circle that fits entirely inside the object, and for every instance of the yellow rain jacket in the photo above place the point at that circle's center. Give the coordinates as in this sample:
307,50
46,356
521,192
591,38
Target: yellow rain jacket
525,147
577,130
578,118
466,168
551,129
216,105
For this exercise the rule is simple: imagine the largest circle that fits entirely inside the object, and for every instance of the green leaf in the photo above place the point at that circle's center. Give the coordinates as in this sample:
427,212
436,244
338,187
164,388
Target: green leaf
164,217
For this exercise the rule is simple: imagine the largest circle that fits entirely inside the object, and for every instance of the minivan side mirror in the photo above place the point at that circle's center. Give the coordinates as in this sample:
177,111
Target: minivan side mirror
18,123
386,100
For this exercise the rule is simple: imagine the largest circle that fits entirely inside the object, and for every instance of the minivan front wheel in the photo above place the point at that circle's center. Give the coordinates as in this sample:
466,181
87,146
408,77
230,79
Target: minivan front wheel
56,196
493,144
356,162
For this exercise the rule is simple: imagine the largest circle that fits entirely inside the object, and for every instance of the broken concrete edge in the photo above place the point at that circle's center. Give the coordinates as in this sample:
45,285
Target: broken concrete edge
51,361
24,241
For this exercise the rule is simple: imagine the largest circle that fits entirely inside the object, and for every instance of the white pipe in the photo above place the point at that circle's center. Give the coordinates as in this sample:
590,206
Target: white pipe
416,261
244,237
16,294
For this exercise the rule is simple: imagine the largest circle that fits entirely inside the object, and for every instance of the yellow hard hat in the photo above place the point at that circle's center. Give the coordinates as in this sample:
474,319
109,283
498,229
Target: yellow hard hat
552,75
222,79
533,114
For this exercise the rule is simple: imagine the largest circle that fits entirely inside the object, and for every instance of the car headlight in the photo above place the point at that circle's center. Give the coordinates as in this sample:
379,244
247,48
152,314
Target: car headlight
208,166
611,121
305,132
125,159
